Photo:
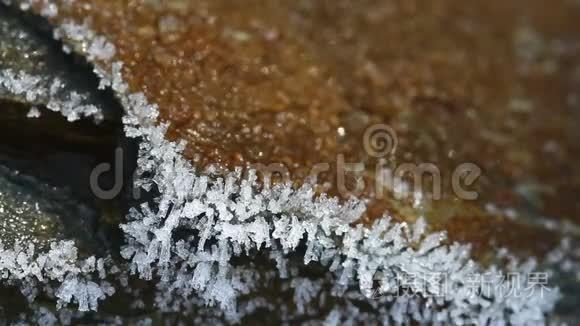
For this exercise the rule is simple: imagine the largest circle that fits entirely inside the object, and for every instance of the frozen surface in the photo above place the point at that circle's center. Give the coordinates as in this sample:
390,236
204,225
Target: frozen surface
187,240
35,72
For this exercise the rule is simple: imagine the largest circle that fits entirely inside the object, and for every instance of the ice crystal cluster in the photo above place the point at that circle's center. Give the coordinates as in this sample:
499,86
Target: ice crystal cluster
79,281
99,48
199,239
35,89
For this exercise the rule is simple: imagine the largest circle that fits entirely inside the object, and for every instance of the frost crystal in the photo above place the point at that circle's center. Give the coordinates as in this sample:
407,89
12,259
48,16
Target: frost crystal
187,239
97,47
23,265
33,113
232,216
36,89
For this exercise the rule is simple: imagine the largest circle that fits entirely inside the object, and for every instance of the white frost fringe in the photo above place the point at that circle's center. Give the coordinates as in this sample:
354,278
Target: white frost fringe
22,265
229,216
33,89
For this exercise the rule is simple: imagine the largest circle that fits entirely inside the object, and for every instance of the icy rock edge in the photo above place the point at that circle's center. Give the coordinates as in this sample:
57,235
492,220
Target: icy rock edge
231,216
35,88
57,272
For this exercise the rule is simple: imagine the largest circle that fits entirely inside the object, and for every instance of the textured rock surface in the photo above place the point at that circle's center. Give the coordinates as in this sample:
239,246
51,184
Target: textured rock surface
297,82
26,217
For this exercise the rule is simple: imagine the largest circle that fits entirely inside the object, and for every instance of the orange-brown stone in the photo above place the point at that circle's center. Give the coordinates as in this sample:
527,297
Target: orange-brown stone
495,83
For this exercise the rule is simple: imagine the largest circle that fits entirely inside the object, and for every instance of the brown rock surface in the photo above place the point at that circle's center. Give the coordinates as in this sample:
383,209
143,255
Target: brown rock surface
495,83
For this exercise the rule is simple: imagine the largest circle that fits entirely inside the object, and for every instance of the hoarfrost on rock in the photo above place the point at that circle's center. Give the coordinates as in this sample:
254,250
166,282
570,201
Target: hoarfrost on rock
34,89
200,222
